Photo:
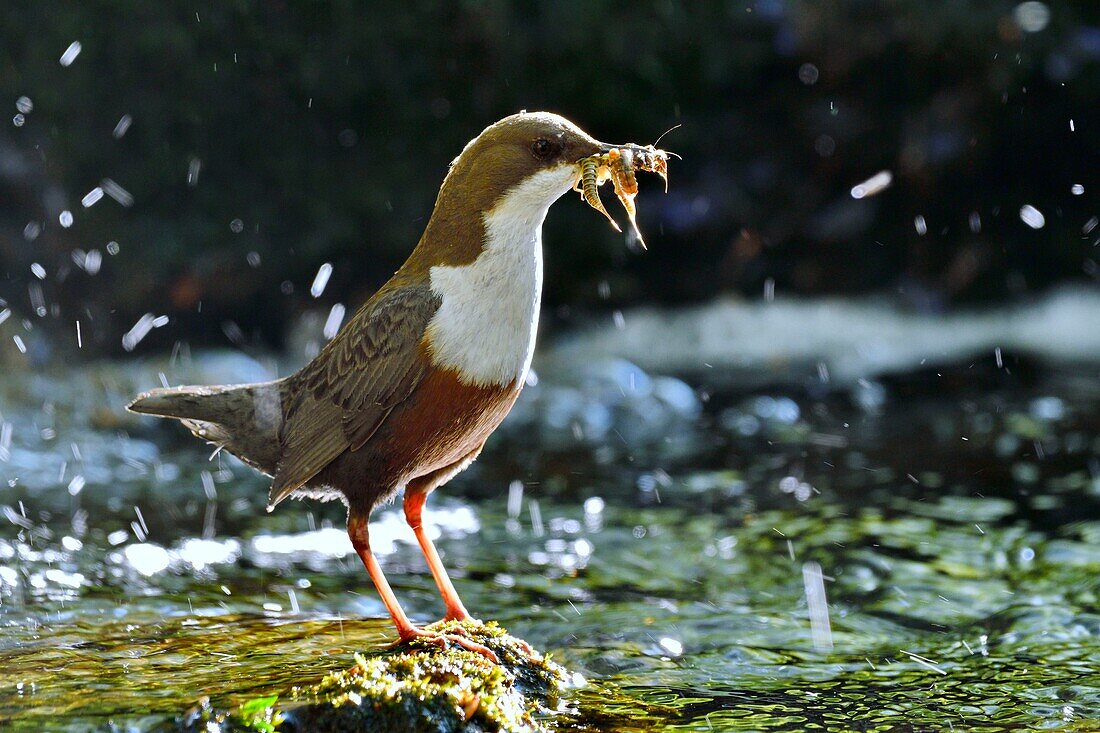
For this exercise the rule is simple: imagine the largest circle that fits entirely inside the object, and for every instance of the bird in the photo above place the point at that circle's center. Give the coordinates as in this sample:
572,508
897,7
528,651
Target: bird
405,395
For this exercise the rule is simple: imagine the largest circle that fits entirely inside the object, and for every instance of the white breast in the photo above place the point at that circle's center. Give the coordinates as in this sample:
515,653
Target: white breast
485,328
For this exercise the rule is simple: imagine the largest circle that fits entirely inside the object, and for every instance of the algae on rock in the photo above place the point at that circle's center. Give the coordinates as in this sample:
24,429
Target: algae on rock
416,686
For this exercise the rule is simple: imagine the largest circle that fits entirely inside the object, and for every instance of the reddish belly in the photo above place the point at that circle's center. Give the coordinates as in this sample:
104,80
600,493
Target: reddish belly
444,421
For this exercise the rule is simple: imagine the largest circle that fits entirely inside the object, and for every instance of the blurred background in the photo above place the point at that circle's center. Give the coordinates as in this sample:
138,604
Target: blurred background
826,455
221,153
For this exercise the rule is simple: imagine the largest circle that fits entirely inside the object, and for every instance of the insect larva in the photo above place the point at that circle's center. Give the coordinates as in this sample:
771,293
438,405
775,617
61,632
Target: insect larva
622,171
590,187
621,165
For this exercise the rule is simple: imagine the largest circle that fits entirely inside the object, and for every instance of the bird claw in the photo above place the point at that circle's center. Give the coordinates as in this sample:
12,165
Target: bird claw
526,649
440,639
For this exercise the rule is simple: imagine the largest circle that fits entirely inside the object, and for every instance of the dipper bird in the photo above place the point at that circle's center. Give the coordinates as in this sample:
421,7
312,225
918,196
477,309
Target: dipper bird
405,395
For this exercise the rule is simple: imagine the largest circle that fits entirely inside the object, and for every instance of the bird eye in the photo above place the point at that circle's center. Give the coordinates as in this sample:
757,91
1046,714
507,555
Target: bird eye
542,148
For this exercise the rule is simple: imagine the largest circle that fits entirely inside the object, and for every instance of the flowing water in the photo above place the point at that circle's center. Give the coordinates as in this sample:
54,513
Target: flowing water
920,553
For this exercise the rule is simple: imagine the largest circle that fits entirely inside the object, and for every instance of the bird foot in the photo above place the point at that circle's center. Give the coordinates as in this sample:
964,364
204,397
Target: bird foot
441,639
526,649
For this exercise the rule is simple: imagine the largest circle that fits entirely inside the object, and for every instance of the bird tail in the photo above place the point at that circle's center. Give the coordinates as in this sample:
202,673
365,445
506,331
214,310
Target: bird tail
188,403
244,419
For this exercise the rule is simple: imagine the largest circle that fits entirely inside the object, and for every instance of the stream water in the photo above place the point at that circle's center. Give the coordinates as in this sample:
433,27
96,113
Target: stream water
918,553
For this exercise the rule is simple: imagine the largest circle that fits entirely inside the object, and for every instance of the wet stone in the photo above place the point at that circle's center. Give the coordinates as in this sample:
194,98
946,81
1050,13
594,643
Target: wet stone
413,687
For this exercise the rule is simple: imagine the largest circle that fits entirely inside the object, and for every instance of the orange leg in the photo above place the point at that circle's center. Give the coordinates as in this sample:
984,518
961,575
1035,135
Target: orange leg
406,630
414,505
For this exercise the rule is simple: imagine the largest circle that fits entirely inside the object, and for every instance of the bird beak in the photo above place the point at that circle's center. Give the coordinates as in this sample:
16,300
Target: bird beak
608,147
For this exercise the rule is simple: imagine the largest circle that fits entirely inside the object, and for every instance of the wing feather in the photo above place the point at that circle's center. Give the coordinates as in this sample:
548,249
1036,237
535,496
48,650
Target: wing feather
344,395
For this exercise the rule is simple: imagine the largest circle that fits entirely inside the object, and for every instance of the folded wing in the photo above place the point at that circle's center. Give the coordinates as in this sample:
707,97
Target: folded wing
342,397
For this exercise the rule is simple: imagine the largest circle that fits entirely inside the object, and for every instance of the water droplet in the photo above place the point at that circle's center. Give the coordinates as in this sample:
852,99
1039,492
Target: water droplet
873,185
335,318
117,192
1032,217
92,197
321,280
76,485
1031,16
123,125
193,169
70,53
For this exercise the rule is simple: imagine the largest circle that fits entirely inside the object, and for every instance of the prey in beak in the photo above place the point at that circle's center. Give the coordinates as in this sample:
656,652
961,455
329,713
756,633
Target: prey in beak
618,164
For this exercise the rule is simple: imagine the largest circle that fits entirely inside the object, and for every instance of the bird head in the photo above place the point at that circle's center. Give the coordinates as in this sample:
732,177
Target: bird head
541,151
516,168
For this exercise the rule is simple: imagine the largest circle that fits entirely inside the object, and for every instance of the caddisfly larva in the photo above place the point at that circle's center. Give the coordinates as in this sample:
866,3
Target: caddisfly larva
621,165
590,186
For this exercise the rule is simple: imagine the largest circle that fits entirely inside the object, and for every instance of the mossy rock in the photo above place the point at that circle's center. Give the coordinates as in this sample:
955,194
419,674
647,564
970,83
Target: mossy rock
412,687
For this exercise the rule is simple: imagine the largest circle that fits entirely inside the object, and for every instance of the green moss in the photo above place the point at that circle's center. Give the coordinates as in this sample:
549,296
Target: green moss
416,686
260,715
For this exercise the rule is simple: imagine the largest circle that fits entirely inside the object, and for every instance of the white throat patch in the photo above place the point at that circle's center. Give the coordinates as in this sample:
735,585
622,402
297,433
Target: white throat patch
485,328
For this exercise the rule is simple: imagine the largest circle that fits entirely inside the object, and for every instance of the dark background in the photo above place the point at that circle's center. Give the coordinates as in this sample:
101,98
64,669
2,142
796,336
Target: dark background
321,132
